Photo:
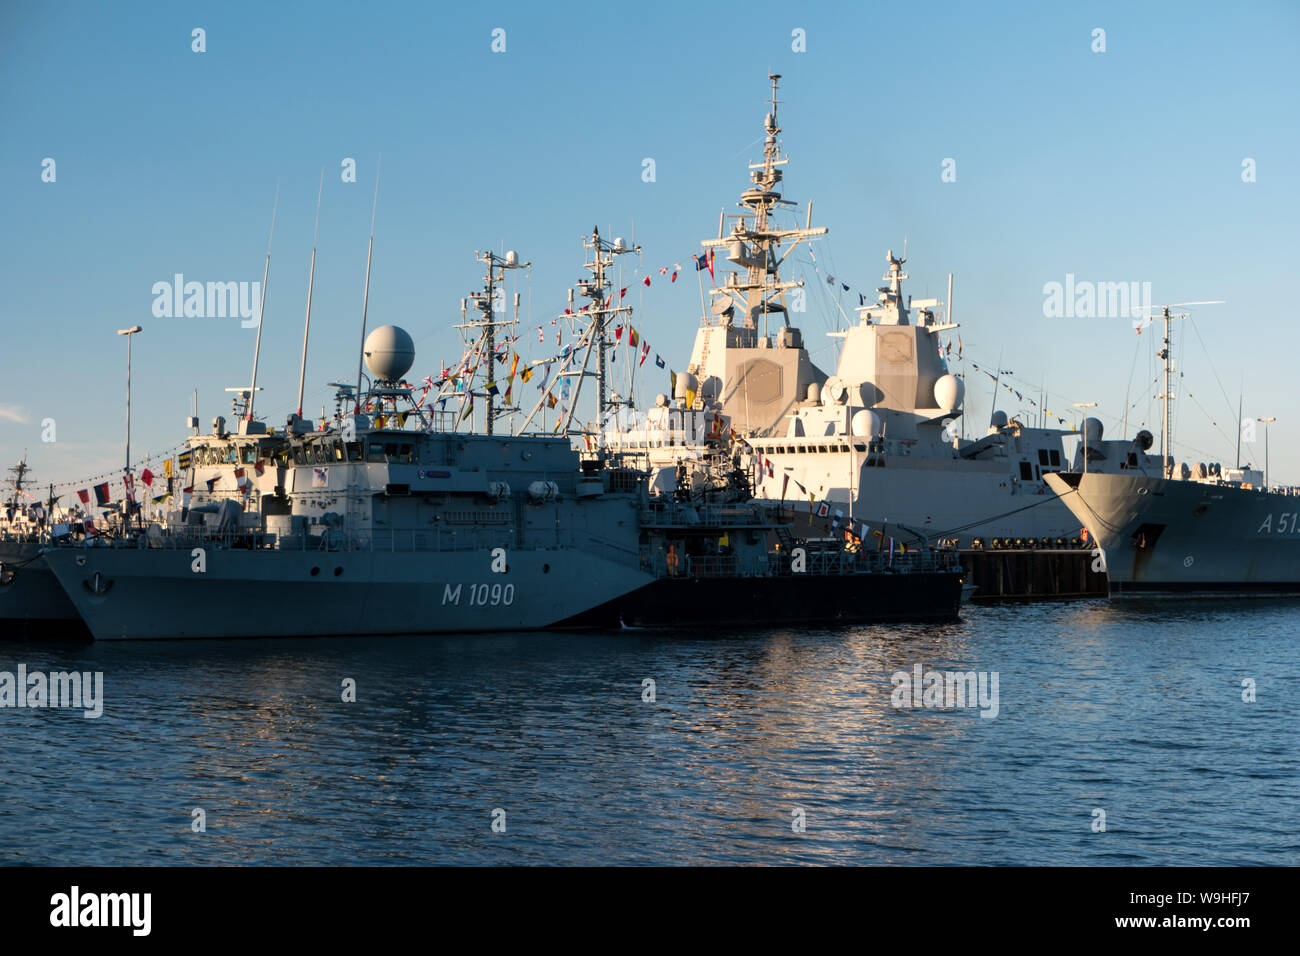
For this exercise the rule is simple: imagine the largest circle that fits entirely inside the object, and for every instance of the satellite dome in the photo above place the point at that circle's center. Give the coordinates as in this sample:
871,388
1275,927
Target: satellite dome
1093,428
999,419
389,352
866,423
949,391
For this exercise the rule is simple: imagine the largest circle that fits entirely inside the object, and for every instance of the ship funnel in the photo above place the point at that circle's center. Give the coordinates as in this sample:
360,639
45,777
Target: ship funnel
389,352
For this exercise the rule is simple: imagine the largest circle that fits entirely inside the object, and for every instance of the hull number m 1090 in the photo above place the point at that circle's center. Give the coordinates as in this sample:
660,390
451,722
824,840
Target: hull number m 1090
479,595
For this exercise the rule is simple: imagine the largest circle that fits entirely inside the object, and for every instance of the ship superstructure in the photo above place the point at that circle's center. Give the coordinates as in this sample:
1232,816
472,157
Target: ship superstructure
877,443
741,363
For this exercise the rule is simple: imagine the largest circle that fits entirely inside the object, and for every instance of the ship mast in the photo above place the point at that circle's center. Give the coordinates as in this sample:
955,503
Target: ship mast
595,337
755,245
19,471
482,344
311,284
601,309
1166,353
1167,395
261,309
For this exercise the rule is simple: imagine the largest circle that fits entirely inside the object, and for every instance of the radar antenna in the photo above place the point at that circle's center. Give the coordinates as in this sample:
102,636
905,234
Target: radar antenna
755,246
1167,354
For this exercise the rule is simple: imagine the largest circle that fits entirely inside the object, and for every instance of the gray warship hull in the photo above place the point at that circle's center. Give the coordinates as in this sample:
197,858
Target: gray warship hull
30,596
1169,537
144,594
141,594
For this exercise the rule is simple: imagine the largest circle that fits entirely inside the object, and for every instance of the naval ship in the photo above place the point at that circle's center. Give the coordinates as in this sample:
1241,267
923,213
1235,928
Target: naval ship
1174,536
874,445
1166,528
31,600
875,442
395,517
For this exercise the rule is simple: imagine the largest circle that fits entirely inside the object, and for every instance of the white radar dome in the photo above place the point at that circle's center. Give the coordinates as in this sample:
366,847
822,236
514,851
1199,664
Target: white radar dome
389,352
866,423
949,391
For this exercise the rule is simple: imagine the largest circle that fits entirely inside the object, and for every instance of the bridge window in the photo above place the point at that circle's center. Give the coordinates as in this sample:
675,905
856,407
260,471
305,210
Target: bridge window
1026,472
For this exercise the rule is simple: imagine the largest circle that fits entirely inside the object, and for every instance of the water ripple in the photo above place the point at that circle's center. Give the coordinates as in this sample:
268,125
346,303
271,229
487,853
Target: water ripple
1136,711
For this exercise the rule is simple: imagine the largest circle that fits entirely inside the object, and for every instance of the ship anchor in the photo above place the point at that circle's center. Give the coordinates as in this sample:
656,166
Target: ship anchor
97,585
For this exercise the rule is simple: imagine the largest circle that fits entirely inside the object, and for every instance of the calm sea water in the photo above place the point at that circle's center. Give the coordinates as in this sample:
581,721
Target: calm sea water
1134,710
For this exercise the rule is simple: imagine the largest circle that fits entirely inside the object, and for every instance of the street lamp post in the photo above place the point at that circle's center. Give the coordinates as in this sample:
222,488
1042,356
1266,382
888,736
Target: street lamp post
1085,432
128,333
1265,422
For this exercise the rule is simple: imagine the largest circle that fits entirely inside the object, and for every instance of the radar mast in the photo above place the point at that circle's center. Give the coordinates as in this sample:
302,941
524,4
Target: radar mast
755,245
594,337
480,333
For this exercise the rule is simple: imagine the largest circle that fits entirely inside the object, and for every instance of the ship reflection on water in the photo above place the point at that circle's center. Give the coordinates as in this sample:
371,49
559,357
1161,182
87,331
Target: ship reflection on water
759,746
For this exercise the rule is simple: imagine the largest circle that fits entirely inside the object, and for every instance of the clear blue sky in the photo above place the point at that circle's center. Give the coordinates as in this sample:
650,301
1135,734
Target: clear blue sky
1115,166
